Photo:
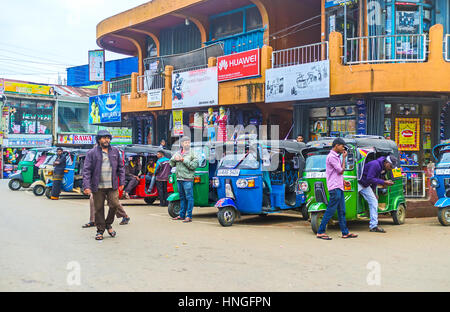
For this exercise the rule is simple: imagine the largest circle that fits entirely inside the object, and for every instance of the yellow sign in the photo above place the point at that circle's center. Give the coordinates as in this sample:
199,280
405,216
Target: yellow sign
407,133
18,87
396,172
177,122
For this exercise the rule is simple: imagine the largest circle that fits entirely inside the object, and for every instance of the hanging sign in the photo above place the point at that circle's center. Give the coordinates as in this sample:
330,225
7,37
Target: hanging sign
154,98
105,108
177,122
407,134
97,65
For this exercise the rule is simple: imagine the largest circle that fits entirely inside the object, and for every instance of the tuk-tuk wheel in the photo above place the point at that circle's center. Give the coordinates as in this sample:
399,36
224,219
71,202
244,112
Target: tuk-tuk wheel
399,215
305,214
149,200
444,216
226,216
38,190
174,208
15,184
316,219
48,192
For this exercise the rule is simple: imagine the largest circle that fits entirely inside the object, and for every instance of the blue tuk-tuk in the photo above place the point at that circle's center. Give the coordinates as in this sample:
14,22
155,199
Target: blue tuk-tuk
441,181
73,177
259,178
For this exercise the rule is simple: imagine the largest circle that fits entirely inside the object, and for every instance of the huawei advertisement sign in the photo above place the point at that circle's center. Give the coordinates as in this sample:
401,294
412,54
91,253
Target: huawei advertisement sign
240,65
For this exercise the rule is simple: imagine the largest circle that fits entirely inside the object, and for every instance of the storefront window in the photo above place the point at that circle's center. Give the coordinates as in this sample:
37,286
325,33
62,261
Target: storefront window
74,118
335,121
227,25
31,117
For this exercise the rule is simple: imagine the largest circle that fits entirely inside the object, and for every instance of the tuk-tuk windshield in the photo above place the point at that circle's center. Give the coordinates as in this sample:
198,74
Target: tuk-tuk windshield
202,155
240,161
50,159
30,156
316,161
444,160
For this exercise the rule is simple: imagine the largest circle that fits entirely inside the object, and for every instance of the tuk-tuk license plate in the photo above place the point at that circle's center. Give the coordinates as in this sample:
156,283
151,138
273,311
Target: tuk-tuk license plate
442,171
228,172
316,175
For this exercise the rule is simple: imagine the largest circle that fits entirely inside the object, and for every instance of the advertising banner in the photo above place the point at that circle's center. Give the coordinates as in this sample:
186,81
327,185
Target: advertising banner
76,139
298,82
177,122
105,108
332,3
407,134
120,136
23,141
97,65
27,88
239,65
154,98
2,85
197,88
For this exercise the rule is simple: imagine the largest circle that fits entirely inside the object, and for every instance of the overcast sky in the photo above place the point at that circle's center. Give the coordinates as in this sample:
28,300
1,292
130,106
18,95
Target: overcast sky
39,38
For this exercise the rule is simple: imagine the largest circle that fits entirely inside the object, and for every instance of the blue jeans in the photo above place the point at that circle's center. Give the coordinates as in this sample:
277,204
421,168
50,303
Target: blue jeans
186,190
369,196
337,201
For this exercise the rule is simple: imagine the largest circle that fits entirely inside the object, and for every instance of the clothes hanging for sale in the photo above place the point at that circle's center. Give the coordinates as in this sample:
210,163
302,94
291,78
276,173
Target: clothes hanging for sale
222,122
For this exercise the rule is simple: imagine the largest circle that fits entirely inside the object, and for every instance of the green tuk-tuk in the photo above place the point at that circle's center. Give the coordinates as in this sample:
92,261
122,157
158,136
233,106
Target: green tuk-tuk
205,195
361,150
28,168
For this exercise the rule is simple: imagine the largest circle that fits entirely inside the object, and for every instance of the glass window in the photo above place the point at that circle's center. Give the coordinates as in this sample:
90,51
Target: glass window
316,162
44,117
254,20
240,161
74,118
227,25
342,111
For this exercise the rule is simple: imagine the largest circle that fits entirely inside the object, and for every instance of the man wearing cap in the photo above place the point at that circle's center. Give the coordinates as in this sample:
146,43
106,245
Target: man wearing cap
185,162
371,177
162,172
58,173
335,168
103,176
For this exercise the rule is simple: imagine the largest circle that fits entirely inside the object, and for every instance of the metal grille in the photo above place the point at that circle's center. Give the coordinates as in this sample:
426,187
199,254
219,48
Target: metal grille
414,184
385,49
151,82
447,47
190,68
300,55
122,85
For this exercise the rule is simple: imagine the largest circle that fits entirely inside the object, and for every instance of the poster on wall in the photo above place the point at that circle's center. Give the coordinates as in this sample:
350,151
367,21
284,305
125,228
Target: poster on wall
97,65
154,98
407,134
105,108
239,65
298,82
177,122
362,117
197,88
332,3
27,88
120,136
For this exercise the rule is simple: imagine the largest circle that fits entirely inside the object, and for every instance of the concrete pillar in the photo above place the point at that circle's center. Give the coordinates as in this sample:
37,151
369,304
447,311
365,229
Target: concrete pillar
167,105
134,90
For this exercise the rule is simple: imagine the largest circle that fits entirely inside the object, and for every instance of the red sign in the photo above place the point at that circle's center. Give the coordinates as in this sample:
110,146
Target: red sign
240,65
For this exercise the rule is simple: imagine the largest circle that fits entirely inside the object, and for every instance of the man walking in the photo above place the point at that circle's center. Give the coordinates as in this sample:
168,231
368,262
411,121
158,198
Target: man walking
185,162
335,181
162,172
371,177
103,176
120,213
58,173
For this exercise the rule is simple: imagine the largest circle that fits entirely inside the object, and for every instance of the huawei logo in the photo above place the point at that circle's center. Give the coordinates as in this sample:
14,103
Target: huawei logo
223,65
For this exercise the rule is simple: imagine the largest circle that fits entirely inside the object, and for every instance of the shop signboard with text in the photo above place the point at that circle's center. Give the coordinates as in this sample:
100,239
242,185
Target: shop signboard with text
28,141
76,139
177,116
298,82
154,98
97,65
120,136
27,88
105,108
197,88
239,65
407,134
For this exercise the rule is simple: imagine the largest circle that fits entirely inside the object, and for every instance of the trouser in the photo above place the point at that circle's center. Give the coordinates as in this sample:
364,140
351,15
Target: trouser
120,213
152,180
162,192
131,185
99,203
56,188
369,196
186,191
337,202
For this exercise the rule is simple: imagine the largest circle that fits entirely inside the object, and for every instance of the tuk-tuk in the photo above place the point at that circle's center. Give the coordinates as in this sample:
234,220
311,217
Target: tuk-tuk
441,181
145,153
73,173
28,172
361,150
204,194
45,173
259,178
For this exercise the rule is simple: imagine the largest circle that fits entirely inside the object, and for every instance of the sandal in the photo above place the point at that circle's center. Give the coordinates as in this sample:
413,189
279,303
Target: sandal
324,237
112,233
125,221
178,218
187,220
88,225
350,235
378,230
99,237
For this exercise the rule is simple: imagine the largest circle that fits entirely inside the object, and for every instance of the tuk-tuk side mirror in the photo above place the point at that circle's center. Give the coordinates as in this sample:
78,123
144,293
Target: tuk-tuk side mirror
350,161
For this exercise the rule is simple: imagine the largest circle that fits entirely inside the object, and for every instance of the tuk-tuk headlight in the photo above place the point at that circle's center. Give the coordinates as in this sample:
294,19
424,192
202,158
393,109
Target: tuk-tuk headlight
24,169
434,183
215,182
241,183
304,187
229,191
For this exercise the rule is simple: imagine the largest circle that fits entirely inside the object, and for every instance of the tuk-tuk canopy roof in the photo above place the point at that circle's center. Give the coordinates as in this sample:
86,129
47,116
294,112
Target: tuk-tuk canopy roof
444,146
145,149
290,146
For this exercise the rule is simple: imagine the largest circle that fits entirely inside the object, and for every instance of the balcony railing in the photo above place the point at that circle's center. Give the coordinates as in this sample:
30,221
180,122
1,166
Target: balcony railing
151,82
414,184
190,68
243,42
300,55
122,85
447,47
385,49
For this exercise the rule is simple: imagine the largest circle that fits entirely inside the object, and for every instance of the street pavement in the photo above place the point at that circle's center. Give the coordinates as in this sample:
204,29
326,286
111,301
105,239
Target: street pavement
44,248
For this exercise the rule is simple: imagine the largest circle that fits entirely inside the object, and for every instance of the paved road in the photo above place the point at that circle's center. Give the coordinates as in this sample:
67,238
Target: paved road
43,248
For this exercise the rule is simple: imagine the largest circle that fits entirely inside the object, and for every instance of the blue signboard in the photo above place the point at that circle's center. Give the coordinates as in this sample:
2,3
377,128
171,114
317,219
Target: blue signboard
105,108
332,3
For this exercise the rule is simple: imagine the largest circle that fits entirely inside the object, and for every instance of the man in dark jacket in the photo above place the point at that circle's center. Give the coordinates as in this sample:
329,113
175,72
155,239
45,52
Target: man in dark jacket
103,176
371,177
132,171
58,173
